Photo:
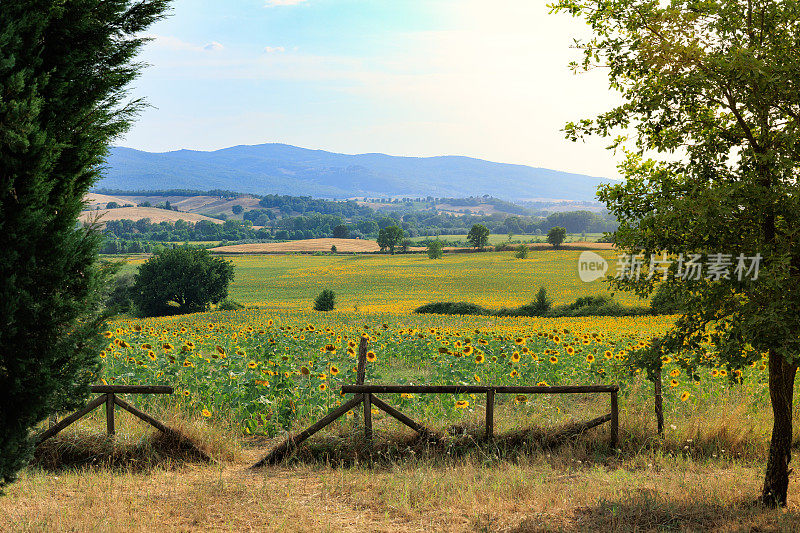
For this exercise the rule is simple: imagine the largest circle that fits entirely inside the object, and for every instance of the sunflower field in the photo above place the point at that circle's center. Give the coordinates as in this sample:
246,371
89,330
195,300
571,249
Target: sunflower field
274,370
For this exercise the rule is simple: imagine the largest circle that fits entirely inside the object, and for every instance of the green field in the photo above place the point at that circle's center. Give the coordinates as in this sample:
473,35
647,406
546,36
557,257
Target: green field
400,283
498,238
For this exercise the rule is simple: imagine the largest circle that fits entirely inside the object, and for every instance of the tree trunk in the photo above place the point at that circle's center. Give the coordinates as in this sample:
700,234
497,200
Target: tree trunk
781,391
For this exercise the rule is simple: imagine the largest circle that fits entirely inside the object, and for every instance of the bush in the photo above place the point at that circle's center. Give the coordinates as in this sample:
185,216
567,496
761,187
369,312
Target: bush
333,248
602,305
556,236
181,280
453,308
522,252
325,301
229,305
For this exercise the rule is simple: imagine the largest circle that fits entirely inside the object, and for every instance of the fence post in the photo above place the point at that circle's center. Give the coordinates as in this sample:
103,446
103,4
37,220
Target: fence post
110,414
614,420
368,419
489,414
659,400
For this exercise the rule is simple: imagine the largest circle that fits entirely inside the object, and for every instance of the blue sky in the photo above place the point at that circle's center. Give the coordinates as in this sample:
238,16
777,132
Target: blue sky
403,77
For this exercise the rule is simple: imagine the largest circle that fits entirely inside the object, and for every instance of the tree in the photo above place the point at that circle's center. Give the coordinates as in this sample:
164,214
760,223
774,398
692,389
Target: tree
713,84
112,205
522,252
556,236
389,237
478,236
341,232
435,249
325,301
61,106
333,248
181,280
237,209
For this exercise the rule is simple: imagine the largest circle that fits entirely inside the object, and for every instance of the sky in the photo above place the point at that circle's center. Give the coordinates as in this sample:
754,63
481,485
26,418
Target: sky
401,77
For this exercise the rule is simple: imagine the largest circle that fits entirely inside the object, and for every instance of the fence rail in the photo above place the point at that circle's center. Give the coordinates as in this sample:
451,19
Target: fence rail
365,394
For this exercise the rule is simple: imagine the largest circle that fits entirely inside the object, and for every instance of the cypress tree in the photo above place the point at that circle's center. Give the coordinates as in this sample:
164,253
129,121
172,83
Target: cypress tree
64,69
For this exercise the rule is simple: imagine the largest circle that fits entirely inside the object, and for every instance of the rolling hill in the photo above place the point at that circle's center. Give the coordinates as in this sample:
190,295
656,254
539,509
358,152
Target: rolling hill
285,169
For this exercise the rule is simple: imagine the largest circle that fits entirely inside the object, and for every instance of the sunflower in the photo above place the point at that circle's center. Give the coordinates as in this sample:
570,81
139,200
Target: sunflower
521,398
514,373
570,350
590,358
515,357
146,346
330,348
480,358
476,377
305,371
553,359
220,350
674,383
542,384
187,393
467,350
518,341
206,413
252,364
187,363
323,386
167,347
675,373
685,396
108,334
334,370
371,357
462,404
151,355
607,354
137,328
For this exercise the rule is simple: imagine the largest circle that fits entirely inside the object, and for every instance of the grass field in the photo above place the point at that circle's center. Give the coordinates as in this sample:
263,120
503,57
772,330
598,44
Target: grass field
497,238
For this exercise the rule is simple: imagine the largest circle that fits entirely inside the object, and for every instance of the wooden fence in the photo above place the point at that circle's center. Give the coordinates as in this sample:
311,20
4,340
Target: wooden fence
365,394
109,397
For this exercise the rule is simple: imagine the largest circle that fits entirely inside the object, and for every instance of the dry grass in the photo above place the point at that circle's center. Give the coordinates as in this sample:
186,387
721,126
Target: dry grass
510,485
305,245
155,215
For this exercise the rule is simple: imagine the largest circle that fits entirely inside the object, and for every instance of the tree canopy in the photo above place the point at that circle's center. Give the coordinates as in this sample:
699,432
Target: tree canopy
389,237
478,236
181,280
714,85
556,236
64,69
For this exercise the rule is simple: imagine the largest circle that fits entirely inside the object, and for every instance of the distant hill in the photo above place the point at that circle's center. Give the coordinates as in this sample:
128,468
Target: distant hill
284,169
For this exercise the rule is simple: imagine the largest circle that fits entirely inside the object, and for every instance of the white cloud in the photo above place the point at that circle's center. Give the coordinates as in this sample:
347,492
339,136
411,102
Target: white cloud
277,3
170,42
274,49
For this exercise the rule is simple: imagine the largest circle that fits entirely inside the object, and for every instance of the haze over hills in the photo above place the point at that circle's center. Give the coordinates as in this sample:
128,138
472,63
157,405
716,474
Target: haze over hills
285,169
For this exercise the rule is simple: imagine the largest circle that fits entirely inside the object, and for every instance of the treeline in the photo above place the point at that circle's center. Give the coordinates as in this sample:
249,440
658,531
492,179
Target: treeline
222,193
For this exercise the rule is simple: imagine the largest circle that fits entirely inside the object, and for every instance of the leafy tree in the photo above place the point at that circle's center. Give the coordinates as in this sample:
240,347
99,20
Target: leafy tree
61,106
478,236
112,205
389,237
237,209
434,249
333,248
522,252
325,301
556,236
181,280
341,232
715,85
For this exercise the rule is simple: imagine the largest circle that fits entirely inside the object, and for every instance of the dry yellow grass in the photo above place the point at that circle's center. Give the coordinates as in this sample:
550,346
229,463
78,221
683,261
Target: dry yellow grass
305,245
137,213
94,200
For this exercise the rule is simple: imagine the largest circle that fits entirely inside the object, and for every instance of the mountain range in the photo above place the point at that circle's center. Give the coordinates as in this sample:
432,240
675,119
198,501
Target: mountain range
286,169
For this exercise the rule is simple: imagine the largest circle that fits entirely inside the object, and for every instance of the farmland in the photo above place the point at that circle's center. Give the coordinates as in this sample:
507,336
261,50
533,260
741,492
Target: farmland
244,378
400,283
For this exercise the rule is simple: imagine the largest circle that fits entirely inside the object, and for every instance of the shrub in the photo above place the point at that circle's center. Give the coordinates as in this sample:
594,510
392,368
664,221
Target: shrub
229,305
556,236
522,252
453,308
119,297
602,305
333,248
325,301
